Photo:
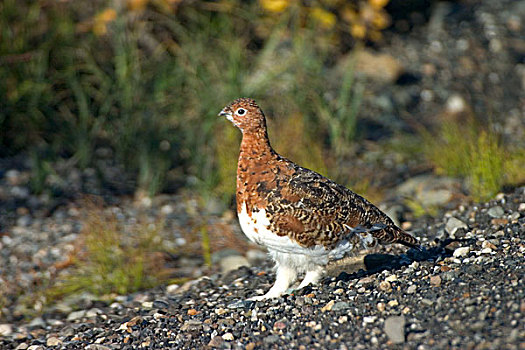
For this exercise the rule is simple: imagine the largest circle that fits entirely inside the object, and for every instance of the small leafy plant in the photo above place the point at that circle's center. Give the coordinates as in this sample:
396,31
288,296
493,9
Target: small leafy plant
114,258
475,154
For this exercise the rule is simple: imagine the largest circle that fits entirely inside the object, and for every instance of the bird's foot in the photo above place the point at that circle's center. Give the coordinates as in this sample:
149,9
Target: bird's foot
272,293
312,277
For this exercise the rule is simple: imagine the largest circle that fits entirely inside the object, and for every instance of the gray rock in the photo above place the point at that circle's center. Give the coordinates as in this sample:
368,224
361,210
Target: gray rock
76,315
22,346
233,262
37,322
228,336
36,347
453,225
241,304
214,206
461,252
496,212
255,256
411,289
340,305
6,329
94,312
191,326
160,304
23,221
97,347
172,288
216,341
13,177
429,190
20,192
223,253
271,339
53,341
395,329
449,275
67,331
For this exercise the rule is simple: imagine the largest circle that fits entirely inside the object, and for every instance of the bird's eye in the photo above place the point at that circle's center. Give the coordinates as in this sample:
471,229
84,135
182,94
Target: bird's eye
240,111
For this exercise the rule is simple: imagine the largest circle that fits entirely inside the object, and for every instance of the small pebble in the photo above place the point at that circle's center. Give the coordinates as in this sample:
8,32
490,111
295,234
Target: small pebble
381,307
454,224
411,289
496,212
461,252
53,341
216,341
369,319
391,278
435,281
172,288
486,251
76,315
6,329
328,306
385,286
393,303
228,336
395,329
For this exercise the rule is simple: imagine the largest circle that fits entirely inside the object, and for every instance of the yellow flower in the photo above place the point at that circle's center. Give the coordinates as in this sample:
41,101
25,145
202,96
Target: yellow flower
378,4
274,5
137,5
349,15
107,15
380,20
358,30
326,19
102,19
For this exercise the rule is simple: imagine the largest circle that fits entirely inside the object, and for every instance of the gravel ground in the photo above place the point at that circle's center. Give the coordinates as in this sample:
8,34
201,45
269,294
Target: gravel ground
464,290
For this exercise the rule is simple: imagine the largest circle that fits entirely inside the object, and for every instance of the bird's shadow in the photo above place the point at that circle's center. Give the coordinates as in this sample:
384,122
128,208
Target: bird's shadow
375,263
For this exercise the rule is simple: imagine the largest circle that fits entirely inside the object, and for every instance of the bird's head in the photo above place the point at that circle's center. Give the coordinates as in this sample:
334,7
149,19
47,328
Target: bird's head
245,114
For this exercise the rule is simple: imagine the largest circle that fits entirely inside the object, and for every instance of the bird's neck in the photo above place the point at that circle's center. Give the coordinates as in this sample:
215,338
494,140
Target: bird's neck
255,146
256,160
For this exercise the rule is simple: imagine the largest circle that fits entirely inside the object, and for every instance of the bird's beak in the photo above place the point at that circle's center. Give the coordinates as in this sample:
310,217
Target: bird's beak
226,114
223,113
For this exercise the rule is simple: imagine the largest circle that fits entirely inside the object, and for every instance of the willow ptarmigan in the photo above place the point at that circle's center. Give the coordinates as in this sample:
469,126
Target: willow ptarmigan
304,219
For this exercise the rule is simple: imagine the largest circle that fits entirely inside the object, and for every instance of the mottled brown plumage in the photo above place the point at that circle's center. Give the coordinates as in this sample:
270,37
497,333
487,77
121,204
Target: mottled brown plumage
305,212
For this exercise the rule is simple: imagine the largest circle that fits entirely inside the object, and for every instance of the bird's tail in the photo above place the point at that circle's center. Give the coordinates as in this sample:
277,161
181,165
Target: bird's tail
400,236
389,234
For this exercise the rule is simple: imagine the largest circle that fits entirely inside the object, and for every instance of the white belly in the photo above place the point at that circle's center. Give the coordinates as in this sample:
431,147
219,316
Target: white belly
256,228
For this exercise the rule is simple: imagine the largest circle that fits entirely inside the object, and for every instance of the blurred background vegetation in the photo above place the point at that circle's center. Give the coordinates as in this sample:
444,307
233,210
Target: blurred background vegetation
144,80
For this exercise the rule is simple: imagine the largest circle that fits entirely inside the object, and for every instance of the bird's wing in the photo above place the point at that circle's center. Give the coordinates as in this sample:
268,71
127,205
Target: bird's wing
313,210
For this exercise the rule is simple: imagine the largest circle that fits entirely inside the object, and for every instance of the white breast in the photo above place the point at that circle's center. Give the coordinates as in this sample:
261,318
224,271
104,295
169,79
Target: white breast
256,228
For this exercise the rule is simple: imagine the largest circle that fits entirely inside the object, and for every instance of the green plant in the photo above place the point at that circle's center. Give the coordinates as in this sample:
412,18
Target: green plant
419,210
474,154
205,244
147,78
114,258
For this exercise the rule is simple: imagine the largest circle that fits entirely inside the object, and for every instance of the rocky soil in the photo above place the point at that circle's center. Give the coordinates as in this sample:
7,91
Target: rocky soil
465,289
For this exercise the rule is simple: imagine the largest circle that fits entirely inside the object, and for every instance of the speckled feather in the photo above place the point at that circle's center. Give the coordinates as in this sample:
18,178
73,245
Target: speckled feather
300,203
